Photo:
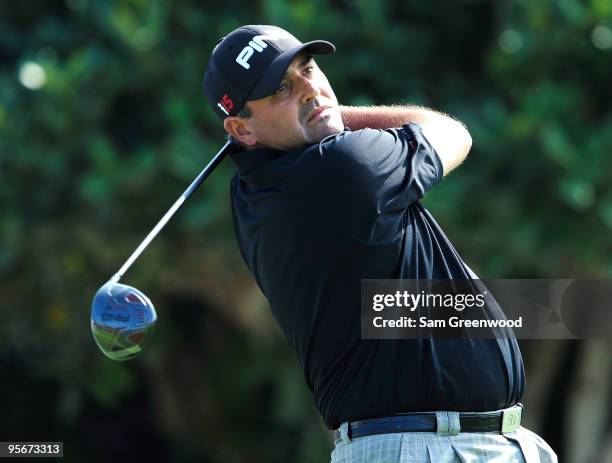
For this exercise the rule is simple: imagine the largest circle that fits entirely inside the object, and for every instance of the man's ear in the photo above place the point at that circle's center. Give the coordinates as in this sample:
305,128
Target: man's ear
238,128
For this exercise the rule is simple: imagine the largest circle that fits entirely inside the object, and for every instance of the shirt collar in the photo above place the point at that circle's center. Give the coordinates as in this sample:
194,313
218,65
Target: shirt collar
248,160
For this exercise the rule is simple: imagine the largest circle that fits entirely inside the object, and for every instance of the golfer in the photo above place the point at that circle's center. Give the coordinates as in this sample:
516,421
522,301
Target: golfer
327,195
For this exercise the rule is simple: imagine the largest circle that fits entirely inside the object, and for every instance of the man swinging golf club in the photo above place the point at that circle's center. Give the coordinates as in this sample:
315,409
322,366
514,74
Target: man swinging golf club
327,195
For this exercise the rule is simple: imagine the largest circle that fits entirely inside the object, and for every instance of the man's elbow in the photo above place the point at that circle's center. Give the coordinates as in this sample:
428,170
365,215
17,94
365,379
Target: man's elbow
451,140
457,146
467,141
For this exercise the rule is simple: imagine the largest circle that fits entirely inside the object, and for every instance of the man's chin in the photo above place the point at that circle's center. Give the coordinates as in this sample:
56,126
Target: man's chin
325,131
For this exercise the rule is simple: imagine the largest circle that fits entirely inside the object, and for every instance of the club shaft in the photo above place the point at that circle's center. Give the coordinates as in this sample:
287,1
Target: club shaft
175,207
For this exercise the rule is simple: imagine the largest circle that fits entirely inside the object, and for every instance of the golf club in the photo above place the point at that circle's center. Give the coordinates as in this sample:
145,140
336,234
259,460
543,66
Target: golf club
123,317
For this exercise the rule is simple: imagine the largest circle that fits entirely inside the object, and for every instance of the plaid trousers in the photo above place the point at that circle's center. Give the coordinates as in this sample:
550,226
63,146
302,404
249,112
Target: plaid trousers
521,446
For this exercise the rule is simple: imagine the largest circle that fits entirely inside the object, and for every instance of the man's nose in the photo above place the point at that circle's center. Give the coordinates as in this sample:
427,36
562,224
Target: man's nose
310,89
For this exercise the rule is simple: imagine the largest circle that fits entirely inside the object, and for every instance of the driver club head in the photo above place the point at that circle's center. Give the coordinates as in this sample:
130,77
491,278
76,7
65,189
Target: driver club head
122,320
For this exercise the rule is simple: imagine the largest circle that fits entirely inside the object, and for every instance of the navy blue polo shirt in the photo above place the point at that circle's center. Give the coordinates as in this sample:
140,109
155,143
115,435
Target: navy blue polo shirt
311,223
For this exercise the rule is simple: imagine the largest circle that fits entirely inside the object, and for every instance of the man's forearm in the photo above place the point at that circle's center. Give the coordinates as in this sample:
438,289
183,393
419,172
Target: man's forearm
384,117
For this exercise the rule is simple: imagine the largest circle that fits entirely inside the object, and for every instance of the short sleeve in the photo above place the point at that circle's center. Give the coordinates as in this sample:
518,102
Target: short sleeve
370,177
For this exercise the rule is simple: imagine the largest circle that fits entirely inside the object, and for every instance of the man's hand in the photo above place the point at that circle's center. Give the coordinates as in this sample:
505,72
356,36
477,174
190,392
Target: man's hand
449,137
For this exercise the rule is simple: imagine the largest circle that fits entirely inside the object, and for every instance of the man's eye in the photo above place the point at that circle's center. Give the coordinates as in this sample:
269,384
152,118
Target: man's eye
308,69
282,87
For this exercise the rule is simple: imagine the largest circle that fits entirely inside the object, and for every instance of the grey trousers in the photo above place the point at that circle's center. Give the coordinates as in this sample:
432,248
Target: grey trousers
521,446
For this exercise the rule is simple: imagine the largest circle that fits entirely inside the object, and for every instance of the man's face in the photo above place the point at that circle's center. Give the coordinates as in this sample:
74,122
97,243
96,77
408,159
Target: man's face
304,110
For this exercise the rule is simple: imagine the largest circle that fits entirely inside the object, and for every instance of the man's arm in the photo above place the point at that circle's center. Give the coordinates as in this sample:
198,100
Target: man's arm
449,137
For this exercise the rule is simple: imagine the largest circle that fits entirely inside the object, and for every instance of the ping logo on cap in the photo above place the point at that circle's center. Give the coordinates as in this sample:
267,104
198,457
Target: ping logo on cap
226,104
257,44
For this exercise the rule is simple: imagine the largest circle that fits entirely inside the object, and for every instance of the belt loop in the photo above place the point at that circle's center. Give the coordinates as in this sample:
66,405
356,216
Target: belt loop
447,423
344,432
442,423
454,425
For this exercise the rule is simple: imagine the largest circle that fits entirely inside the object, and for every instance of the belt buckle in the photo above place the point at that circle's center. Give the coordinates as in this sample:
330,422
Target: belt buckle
511,419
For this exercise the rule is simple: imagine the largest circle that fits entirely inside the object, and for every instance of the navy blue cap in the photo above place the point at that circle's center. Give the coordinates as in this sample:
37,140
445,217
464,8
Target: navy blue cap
249,64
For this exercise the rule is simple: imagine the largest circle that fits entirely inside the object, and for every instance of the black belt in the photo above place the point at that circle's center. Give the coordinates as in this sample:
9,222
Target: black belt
499,421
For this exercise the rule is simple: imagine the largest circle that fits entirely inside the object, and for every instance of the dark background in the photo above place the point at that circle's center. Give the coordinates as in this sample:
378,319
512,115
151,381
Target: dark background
103,123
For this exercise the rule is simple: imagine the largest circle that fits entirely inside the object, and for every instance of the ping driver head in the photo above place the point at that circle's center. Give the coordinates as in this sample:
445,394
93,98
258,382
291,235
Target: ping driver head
122,320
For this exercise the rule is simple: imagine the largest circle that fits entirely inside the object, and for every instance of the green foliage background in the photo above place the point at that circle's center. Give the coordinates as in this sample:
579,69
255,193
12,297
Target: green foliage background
91,160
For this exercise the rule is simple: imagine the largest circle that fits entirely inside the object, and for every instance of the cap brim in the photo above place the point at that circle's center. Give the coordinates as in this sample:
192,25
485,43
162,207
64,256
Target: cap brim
270,80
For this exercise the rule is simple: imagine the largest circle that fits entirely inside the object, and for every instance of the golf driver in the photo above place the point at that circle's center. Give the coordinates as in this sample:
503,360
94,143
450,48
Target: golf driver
123,317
